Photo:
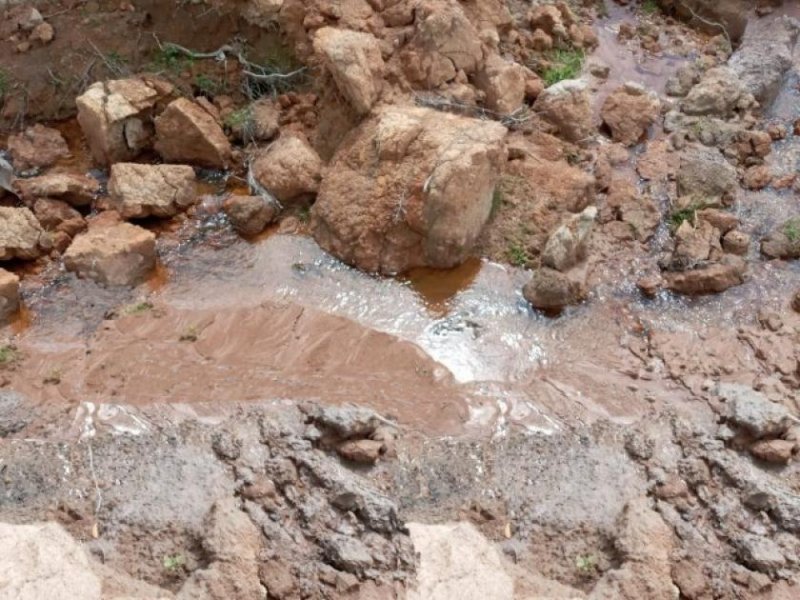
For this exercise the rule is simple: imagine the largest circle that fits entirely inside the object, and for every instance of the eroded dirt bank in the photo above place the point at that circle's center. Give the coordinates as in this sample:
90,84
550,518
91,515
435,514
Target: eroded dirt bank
391,299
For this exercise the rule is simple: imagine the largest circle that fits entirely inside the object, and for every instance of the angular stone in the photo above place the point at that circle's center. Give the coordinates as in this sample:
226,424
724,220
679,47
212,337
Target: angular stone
37,147
77,190
567,107
21,235
188,133
139,191
9,295
249,215
289,169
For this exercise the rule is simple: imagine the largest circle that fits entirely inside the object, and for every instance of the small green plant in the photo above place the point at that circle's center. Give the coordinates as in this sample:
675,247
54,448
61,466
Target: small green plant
517,255
498,198
207,85
8,354
586,565
238,118
171,59
5,83
564,64
137,308
117,63
304,214
173,562
677,217
792,229
650,7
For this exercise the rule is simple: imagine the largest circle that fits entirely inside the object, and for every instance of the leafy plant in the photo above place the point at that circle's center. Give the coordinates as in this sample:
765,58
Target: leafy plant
517,255
171,59
650,7
207,85
238,118
792,229
173,562
586,564
564,64
8,354
137,308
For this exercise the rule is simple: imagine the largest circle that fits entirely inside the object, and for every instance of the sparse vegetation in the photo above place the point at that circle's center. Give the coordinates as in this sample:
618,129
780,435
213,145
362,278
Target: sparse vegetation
304,214
8,355
587,564
137,308
238,118
190,335
169,58
564,64
792,229
498,197
208,85
5,84
689,213
650,7
518,255
173,562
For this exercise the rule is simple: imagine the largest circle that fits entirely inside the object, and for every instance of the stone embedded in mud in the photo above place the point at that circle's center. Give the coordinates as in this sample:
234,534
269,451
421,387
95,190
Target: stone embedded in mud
705,176
354,60
410,187
628,112
736,242
116,116
503,82
773,451
9,295
361,451
568,244
188,133
21,235
58,216
753,412
760,553
37,147
784,241
289,170
695,245
112,254
77,190
566,106
250,215
640,213
711,279
719,93
139,191
552,290
347,553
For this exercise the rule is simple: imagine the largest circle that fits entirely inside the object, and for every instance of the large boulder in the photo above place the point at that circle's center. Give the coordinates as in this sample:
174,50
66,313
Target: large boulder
355,62
116,116
21,235
77,190
37,147
628,112
706,177
112,253
410,187
139,191
289,170
567,107
187,132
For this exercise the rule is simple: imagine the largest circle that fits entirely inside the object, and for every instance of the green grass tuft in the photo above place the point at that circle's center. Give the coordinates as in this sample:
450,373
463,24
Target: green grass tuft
5,83
792,229
174,562
517,255
564,64
650,7
8,355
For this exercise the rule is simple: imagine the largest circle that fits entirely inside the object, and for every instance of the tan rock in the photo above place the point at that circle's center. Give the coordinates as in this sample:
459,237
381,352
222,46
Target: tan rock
711,279
188,133
568,244
504,83
552,290
250,215
773,451
355,62
540,41
628,113
37,147
43,33
695,245
640,213
736,242
411,187
721,219
9,295
21,236
361,451
566,106
757,177
547,18
112,254
264,121
116,116
77,190
55,215
783,241
139,191
289,169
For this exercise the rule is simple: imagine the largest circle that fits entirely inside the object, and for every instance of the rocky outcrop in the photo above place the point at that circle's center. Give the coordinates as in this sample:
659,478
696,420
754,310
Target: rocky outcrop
187,132
77,190
139,191
566,107
355,62
112,253
629,112
249,215
410,187
21,236
9,295
116,116
37,147
289,170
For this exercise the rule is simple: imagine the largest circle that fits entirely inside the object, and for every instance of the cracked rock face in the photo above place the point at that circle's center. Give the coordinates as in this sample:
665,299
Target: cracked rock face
411,187
21,235
188,132
140,191
116,116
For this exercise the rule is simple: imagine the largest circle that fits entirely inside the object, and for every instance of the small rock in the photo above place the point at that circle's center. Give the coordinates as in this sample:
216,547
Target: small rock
249,215
796,302
361,451
9,295
566,247
55,216
264,121
553,290
753,412
21,235
277,578
347,553
760,553
503,83
77,190
757,177
773,451
186,132
289,169
705,174
628,112
43,32
784,241
116,254
540,41
736,242
566,105
711,279
139,190
650,285
37,147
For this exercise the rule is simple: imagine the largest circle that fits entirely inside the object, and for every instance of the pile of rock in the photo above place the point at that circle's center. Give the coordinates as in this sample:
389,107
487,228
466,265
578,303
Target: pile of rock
26,28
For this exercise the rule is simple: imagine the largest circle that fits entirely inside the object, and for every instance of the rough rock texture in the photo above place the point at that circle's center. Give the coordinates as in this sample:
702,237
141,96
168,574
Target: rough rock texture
568,244
753,412
139,191
56,215
503,82
37,147
566,106
628,113
355,62
112,254
116,116
639,215
552,290
9,298
188,133
411,187
711,279
706,177
784,241
249,215
21,236
77,190
719,93
289,170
